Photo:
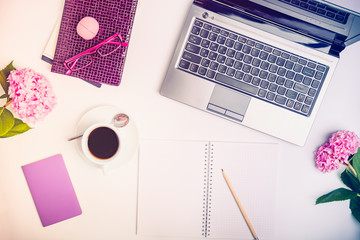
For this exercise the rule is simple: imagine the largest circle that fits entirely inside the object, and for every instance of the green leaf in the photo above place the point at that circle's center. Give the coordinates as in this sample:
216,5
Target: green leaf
18,128
5,95
355,208
7,121
350,180
4,73
339,194
356,163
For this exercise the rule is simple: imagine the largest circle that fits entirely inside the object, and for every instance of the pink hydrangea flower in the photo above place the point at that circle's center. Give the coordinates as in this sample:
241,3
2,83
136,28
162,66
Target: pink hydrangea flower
341,145
325,159
344,143
32,95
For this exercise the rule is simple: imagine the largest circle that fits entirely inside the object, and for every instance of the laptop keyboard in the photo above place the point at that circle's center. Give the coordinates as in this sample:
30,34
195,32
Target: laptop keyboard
320,9
252,67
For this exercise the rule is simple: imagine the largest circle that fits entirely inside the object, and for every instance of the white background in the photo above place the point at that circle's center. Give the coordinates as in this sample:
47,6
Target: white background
109,202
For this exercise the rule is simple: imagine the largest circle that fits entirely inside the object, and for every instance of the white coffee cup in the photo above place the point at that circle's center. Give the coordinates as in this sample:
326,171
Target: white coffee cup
102,144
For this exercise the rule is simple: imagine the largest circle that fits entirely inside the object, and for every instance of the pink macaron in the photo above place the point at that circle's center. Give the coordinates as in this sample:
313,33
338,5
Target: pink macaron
87,28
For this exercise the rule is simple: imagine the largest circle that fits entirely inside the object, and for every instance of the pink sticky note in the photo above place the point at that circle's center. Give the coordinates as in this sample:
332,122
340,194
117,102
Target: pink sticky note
52,191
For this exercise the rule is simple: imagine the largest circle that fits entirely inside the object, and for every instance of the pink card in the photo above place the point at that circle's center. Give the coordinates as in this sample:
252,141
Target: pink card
52,191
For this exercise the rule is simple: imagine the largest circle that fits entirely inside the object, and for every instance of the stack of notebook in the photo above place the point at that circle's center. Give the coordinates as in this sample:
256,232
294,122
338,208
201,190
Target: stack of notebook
113,17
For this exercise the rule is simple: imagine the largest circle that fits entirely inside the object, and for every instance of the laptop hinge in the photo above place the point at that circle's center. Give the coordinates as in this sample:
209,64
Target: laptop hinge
338,45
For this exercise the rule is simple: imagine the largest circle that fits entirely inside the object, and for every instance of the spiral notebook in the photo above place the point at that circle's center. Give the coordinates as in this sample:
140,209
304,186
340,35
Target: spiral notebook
182,192
113,16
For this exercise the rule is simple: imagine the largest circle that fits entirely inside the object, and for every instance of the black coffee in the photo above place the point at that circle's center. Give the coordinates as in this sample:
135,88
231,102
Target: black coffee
103,143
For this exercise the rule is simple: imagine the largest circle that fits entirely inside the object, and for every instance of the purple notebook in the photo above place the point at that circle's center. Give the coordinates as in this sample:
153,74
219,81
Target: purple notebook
51,189
114,16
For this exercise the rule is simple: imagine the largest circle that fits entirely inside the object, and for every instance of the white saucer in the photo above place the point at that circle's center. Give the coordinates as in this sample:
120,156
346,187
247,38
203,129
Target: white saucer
104,114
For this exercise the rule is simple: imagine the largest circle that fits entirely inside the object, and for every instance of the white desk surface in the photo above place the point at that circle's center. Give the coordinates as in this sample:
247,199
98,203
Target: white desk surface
109,202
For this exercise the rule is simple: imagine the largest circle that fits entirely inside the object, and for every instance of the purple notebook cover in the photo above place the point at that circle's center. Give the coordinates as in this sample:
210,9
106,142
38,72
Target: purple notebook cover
114,16
51,189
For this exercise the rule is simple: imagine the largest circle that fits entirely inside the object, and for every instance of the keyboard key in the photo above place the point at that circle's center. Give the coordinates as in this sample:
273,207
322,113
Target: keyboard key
202,71
192,48
204,52
298,77
307,81
214,46
195,39
205,62
229,62
230,72
264,84
300,97
308,72
262,93
305,109
238,65
239,75
273,87
312,92
246,68
195,30
194,67
204,33
239,56
289,83
213,55
270,96
297,106
229,43
263,55
291,94
222,68
191,57
280,61
221,39
289,64
238,46
280,99
214,65
281,90
236,84
246,49
272,58
256,81
308,100
247,78
205,43
290,103
301,88
210,74
297,68
222,49
221,59
184,64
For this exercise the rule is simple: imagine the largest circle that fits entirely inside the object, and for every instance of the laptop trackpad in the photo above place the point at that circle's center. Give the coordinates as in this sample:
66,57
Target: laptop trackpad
228,103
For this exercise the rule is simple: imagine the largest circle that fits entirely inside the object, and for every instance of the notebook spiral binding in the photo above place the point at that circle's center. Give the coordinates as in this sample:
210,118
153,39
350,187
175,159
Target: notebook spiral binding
207,189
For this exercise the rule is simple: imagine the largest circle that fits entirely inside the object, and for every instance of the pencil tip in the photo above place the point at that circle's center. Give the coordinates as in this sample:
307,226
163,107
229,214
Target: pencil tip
222,170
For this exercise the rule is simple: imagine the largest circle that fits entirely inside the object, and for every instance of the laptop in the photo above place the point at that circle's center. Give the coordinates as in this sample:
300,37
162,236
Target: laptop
264,64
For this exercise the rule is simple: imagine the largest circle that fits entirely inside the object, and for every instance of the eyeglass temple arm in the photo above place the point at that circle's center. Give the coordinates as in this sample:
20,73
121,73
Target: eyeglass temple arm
68,72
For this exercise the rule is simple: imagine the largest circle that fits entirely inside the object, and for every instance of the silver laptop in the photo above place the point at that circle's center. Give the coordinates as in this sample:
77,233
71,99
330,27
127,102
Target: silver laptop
265,64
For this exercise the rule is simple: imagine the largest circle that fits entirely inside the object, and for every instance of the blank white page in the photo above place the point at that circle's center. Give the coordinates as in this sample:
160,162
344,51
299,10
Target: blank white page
171,188
251,169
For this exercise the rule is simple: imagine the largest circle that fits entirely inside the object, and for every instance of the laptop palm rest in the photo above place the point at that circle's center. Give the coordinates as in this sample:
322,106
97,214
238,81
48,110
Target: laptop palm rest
229,103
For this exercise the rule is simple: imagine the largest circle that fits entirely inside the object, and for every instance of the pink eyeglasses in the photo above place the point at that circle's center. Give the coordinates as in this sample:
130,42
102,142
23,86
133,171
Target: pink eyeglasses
84,59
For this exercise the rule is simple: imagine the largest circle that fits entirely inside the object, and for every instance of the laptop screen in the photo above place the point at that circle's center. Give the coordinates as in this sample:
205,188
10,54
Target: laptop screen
317,24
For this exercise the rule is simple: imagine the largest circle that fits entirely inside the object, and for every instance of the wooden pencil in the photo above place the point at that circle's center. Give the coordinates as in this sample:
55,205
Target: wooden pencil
239,205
